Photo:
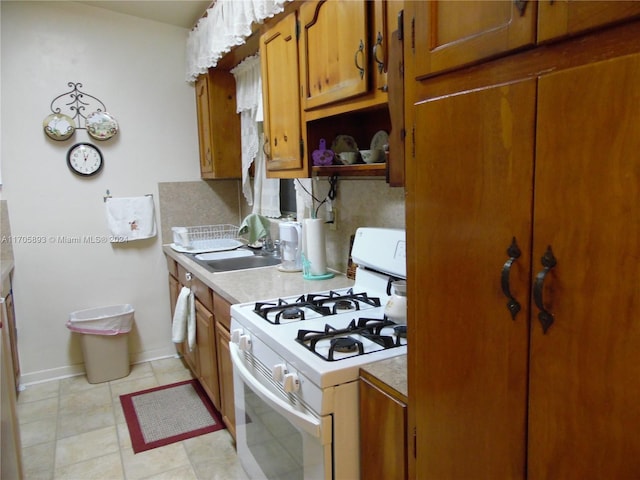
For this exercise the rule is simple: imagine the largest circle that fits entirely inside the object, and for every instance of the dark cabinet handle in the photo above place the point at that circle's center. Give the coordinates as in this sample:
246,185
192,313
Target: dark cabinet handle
267,154
548,262
512,304
361,51
375,53
521,5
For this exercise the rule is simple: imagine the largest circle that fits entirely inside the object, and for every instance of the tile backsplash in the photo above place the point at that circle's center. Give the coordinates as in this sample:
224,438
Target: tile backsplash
360,202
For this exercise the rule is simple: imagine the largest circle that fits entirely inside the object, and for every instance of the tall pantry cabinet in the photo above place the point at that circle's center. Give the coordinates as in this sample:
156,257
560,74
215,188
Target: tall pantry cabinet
523,235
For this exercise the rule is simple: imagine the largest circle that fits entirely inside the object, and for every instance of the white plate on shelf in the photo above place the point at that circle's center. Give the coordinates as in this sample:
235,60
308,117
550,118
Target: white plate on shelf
379,140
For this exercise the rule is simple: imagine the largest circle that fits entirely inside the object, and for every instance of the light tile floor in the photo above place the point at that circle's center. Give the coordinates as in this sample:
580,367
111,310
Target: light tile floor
75,430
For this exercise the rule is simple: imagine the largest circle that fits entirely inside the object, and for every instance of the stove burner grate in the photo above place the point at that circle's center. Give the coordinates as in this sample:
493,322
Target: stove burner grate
341,340
343,301
283,310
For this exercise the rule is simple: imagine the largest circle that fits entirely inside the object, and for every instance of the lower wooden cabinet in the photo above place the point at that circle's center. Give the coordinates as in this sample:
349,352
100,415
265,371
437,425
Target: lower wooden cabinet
10,452
206,352
383,430
222,313
209,360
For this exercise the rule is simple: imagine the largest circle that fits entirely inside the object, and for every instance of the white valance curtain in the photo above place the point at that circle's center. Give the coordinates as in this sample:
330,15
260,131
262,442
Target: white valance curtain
227,24
266,195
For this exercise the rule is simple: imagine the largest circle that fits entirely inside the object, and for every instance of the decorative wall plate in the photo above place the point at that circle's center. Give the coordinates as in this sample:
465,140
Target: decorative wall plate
58,126
101,125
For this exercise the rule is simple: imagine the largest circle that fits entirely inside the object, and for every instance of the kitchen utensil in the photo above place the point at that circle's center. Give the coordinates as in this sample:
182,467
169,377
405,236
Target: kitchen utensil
396,307
322,156
290,247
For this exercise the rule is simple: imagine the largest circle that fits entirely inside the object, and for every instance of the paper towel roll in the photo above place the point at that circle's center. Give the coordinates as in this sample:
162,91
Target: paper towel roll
315,250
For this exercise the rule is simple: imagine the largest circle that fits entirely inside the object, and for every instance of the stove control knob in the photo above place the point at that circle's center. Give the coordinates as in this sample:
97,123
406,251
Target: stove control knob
278,371
291,383
235,335
244,344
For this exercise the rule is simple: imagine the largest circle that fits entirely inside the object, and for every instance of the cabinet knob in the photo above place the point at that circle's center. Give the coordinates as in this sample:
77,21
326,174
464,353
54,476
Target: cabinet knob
235,335
244,344
291,383
278,371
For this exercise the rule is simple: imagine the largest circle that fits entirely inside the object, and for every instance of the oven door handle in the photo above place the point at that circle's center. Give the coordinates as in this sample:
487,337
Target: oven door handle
308,423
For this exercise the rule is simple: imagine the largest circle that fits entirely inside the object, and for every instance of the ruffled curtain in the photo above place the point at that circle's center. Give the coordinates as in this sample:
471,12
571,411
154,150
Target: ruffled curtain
227,24
266,195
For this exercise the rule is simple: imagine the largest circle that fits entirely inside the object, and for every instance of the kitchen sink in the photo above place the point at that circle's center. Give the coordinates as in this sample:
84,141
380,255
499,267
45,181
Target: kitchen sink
240,259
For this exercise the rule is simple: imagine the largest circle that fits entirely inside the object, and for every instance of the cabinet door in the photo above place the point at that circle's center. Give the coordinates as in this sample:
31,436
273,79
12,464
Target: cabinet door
225,371
584,389
451,34
383,434
10,449
566,17
218,125
470,182
281,100
174,291
207,358
13,337
204,126
334,55
385,22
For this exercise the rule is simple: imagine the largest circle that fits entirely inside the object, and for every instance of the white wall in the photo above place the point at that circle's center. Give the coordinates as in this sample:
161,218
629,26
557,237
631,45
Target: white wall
136,67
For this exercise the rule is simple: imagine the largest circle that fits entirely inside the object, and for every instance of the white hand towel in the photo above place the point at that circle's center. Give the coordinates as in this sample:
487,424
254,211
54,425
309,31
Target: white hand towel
179,327
131,218
191,322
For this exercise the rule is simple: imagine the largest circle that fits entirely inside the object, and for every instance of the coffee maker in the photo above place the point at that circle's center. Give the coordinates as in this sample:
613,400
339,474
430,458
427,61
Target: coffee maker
290,247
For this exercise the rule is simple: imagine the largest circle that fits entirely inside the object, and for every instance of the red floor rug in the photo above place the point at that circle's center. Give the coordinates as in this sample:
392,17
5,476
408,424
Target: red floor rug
163,415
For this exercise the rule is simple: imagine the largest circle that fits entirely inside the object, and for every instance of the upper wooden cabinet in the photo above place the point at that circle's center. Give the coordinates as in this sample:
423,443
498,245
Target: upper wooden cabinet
334,57
454,34
281,100
566,17
521,392
218,125
450,34
327,70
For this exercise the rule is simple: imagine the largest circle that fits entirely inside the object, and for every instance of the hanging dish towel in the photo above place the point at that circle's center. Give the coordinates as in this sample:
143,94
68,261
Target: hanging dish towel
131,218
184,318
255,226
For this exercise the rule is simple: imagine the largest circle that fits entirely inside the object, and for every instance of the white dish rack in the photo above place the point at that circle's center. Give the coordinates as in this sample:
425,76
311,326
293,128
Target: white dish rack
205,238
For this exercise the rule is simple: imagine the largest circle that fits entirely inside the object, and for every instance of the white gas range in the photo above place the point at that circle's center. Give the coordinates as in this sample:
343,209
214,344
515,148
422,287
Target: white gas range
296,366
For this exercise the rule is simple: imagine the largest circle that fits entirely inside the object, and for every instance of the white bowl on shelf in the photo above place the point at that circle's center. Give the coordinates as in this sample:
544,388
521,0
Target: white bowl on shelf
372,156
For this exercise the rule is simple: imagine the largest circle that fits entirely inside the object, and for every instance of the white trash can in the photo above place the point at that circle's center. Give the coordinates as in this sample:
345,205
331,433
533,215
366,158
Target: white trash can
105,340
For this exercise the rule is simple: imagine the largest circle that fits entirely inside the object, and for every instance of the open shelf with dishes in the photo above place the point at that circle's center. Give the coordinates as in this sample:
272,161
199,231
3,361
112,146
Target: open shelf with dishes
353,131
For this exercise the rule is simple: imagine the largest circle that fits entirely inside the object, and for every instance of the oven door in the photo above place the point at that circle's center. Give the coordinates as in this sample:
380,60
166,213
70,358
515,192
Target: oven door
276,436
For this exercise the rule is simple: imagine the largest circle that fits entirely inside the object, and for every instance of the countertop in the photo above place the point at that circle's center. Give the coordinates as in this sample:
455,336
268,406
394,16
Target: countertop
392,372
263,283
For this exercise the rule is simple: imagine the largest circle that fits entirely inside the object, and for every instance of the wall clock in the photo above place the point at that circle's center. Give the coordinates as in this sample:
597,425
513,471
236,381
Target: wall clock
84,159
